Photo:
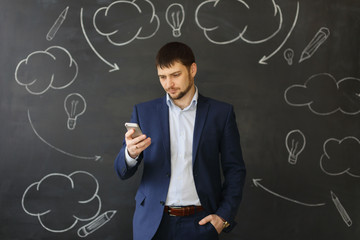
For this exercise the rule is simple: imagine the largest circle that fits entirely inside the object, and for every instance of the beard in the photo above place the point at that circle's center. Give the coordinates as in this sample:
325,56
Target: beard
183,93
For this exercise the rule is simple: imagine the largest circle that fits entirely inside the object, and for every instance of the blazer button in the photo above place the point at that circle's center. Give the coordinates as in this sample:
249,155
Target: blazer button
168,174
162,203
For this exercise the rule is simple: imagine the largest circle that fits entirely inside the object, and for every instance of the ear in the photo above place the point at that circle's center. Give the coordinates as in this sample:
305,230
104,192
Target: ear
193,69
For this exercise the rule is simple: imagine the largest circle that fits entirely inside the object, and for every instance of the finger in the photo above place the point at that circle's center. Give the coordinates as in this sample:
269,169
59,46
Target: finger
129,133
142,145
205,220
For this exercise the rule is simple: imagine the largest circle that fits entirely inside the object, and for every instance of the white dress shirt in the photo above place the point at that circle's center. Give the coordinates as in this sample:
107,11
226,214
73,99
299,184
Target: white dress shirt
182,191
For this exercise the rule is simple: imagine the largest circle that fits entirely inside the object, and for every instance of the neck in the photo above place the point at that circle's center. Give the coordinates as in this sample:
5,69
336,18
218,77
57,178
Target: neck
186,99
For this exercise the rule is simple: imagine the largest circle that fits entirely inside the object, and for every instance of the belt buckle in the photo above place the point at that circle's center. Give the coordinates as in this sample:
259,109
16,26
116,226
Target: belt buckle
169,211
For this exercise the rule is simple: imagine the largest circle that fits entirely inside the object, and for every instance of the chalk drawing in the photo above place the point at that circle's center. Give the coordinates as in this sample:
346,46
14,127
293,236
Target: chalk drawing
43,70
114,66
175,16
319,38
60,201
295,143
75,105
96,157
323,95
57,24
341,156
257,184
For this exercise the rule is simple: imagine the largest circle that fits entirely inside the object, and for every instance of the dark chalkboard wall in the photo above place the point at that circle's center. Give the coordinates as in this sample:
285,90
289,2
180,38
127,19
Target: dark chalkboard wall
290,68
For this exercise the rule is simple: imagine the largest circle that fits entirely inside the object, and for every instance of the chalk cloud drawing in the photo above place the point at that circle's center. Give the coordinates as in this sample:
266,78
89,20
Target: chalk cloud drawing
57,24
96,157
60,201
323,95
175,16
216,19
319,38
41,70
75,105
113,21
289,56
295,143
341,156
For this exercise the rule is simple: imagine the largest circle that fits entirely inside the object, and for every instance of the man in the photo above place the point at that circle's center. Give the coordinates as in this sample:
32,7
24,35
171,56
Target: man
193,141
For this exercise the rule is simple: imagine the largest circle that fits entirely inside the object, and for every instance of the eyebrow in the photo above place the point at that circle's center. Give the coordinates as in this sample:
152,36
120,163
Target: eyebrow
173,73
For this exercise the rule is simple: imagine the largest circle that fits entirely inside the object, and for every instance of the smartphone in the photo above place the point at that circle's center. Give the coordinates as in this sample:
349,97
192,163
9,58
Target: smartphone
135,126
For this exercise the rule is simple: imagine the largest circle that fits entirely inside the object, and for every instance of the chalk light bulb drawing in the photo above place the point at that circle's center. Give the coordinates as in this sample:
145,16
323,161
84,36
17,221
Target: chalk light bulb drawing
295,144
75,105
289,55
175,16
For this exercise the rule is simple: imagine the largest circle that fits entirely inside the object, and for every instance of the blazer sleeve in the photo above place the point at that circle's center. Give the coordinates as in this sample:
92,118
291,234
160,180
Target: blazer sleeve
233,170
121,167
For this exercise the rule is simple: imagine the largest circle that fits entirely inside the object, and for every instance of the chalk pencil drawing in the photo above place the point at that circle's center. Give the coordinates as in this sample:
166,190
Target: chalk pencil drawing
319,38
175,16
295,143
323,95
265,58
60,201
289,56
257,184
75,105
57,24
95,158
53,68
342,211
341,156
107,20
97,223
113,66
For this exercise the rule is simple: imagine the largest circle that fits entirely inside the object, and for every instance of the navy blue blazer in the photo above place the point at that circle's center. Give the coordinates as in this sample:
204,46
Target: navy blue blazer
216,148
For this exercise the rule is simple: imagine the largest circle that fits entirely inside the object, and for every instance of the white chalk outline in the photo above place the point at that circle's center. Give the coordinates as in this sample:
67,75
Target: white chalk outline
57,24
175,24
289,56
96,223
294,151
137,35
265,58
72,61
342,211
318,39
277,10
38,215
96,157
325,154
114,67
74,113
308,104
214,28
257,184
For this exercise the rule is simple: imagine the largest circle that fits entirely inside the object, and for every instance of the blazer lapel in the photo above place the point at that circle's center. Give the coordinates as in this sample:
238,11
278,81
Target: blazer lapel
164,126
201,115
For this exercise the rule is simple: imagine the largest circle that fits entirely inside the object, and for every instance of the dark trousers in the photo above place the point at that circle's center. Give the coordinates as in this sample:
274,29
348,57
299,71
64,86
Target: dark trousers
185,228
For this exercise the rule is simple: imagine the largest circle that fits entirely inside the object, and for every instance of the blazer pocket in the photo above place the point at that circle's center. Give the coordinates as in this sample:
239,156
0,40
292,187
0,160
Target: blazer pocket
140,198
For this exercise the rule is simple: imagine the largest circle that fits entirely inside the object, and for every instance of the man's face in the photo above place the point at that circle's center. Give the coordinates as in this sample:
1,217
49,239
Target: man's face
177,80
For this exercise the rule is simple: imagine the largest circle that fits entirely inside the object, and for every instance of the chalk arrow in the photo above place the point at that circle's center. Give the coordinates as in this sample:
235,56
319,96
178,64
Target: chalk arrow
265,58
96,158
114,67
257,184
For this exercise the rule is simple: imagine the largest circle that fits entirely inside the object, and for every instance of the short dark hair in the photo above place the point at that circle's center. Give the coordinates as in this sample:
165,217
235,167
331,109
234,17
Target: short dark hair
172,52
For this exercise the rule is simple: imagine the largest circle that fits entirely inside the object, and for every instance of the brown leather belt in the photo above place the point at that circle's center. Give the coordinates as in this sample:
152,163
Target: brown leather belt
183,211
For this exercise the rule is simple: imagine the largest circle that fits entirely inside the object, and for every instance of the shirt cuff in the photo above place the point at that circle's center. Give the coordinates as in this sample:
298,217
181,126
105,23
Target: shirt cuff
131,162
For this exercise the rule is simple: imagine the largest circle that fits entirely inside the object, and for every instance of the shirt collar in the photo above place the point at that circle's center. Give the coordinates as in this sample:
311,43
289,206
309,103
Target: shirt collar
192,104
